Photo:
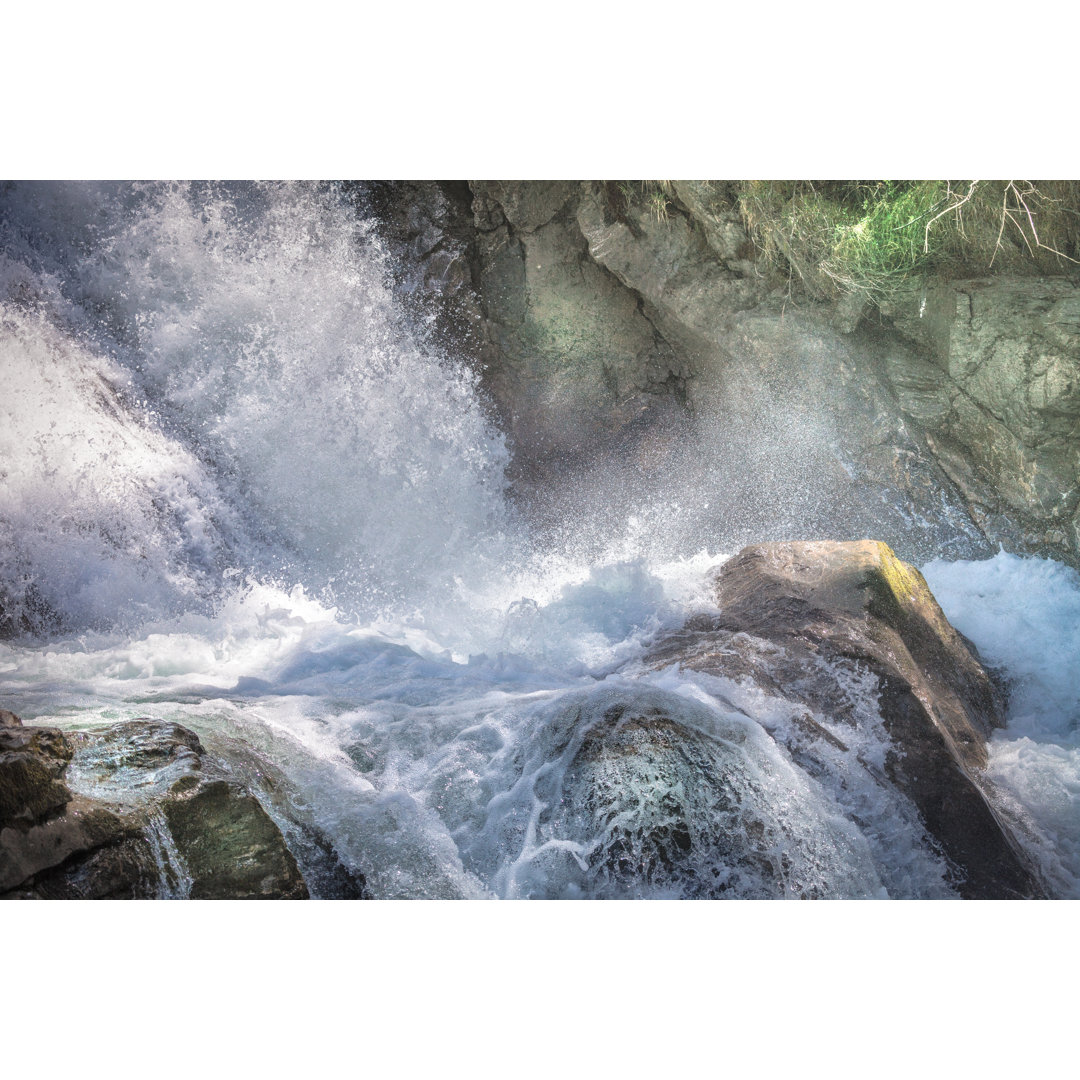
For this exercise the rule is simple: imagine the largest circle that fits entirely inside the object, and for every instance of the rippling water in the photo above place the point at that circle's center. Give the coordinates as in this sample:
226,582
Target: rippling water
243,492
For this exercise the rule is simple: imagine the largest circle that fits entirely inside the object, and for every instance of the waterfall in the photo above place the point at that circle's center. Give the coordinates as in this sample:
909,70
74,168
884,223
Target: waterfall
243,489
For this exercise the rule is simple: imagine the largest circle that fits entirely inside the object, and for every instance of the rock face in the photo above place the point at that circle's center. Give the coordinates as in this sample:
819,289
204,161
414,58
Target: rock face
606,330
651,346
577,357
136,810
996,386
804,618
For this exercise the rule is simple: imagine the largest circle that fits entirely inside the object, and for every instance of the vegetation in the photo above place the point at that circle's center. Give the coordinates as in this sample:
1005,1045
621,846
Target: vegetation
868,236
655,194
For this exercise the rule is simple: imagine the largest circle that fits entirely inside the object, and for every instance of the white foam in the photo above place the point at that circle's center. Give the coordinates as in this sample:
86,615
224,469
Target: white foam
1024,616
299,430
241,493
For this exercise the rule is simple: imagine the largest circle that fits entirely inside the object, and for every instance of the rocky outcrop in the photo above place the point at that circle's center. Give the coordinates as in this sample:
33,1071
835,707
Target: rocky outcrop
805,620
134,810
995,384
576,361
687,345
604,329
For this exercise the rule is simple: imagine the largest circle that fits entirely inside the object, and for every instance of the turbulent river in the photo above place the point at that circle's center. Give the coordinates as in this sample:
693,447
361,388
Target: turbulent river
241,490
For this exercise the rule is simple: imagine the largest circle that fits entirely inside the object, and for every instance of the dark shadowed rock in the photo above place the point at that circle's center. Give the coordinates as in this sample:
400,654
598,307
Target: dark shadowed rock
232,849
87,853
32,762
795,616
134,810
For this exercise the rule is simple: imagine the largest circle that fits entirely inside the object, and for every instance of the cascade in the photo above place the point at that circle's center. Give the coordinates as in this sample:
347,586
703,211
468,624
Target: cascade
244,490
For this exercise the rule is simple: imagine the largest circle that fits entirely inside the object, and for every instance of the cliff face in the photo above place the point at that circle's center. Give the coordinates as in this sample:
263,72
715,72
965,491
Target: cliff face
994,383
607,327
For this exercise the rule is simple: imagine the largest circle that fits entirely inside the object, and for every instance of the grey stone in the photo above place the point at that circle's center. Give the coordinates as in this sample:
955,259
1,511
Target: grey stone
1005,401
526,204
793,616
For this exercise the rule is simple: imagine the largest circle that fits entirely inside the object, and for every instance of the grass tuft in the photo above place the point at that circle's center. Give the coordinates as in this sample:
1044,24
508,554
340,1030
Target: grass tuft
868,237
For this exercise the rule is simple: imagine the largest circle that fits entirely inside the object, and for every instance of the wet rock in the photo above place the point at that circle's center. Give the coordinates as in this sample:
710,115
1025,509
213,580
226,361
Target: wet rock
798,618
672,808
32,762
633,791
233,851
135,810
88,853
996,384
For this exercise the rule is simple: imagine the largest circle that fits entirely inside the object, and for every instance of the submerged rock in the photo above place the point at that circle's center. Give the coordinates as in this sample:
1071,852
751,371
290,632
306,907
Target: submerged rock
649,794
801,620
136,810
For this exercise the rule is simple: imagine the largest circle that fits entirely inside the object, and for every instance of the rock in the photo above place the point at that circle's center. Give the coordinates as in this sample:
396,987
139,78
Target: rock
134,810
803,619
428,229
614,333
525,204
232,849
671,265
32,762
996,386
661,797
574,361
88,853
948,418
711,205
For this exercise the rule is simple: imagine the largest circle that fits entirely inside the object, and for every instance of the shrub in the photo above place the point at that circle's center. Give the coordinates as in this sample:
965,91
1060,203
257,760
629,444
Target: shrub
870,236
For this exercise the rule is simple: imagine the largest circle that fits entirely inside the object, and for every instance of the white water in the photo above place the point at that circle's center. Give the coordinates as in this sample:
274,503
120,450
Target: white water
241,493
1024,615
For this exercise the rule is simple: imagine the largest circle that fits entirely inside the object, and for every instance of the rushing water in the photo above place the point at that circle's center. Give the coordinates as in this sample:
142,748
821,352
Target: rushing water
241,491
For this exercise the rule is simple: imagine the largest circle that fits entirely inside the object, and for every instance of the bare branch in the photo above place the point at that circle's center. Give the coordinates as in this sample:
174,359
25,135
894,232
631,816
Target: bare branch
1021,197
949,194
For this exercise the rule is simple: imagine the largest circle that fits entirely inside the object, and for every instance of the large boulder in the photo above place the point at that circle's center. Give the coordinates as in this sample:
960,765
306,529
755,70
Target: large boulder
633,791
133,810
807,620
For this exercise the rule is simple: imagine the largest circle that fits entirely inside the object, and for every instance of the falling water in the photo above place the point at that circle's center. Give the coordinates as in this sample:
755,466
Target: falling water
242,491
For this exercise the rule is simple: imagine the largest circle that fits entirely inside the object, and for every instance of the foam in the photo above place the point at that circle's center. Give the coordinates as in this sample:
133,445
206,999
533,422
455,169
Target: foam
242,492
1024,616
